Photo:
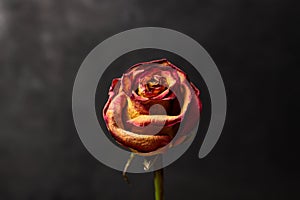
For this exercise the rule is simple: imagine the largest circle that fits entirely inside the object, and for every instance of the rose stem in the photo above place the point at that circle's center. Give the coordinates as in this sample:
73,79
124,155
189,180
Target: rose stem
159,184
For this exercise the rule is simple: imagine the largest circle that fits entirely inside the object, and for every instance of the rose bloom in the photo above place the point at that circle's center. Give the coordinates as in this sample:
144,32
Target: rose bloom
147,105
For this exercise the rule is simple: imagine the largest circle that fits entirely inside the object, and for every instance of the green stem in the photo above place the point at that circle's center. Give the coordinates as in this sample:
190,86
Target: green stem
159,184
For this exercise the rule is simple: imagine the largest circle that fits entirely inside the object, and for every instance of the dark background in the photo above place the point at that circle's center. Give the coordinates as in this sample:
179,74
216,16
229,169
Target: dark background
252,42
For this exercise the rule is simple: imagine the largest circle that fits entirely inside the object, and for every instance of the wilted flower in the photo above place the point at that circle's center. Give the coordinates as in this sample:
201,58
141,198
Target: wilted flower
147,105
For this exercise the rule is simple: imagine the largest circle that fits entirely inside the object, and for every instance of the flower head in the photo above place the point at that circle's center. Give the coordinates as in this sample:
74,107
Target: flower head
147,105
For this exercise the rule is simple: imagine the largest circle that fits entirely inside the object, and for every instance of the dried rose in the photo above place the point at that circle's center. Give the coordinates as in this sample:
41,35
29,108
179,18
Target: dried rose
147,105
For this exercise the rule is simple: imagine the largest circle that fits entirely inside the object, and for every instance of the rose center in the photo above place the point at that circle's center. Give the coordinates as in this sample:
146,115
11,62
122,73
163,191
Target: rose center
150,87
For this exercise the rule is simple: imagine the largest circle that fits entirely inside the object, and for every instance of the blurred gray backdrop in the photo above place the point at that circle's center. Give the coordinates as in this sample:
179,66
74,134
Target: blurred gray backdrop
42,44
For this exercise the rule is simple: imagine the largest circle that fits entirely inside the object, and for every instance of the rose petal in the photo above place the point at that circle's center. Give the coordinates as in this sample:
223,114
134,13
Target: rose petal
141,143
157,120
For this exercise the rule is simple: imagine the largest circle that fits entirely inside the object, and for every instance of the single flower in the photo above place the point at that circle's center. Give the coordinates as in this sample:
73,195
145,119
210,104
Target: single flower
147,105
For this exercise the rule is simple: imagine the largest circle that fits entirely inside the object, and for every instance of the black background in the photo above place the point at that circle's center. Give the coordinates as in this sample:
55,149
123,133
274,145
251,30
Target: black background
252,42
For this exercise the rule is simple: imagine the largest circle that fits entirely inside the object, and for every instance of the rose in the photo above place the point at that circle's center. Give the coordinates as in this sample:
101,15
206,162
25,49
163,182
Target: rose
147,105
